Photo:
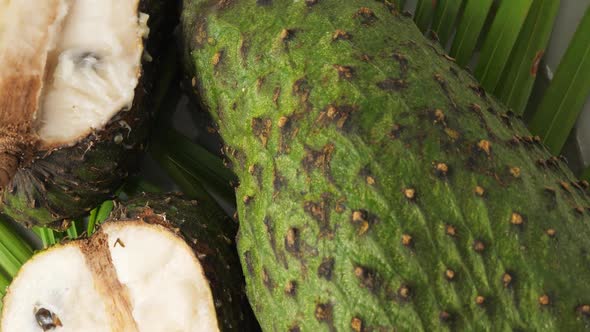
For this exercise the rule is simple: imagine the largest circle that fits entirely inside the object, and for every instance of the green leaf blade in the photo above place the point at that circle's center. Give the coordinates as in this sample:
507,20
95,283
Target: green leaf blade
520,74
72,231
469,29
500,41
13,241
445,17
91,222
46,235
424,14
104,211
564,99
193,167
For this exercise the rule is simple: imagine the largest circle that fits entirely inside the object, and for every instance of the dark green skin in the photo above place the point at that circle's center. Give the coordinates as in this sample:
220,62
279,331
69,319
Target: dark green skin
210,233
303,177
70,181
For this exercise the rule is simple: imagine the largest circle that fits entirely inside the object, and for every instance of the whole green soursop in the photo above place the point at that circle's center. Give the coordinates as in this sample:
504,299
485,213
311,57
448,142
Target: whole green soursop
381,188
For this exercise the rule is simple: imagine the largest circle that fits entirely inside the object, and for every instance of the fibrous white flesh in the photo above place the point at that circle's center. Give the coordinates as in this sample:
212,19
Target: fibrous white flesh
28,30
60,281
165,281
155,270
92,62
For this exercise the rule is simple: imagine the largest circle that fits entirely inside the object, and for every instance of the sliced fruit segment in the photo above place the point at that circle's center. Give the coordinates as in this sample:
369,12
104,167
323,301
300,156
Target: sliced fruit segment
91,76
74,100
146,269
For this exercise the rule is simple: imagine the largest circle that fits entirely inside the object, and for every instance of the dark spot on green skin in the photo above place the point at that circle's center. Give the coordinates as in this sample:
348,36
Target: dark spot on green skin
403,63
542,163
294,328
404,293
256,171
482,301
259,83
340,35
324,312
279,256
396,131
311,3
506,119
363,221
235,155
266,280
320,212
451,230
552,162
278,181
366,16
248,260
287,34
392,7
454,71
217,58
201,35
261,128
441,170
318,159
367,278
365,172
445,87
410,193
276,95
551,193
392,84
326,267
287,133
244,48
583,309
479,246
222,4
365,58
344,72
578,186
302,88
478,90
508,279
565,187
515,140
338,115
264,2
293,241
445,317
291,288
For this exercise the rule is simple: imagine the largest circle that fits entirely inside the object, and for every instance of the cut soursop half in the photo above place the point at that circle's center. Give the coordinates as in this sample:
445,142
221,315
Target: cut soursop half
72,84
144,270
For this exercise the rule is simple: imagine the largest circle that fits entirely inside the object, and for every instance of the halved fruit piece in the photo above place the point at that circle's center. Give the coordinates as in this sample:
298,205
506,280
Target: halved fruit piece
143,270
72,101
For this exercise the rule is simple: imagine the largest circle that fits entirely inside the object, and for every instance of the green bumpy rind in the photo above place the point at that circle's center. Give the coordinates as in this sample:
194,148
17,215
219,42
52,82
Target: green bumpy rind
70,181
210,233
381,188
